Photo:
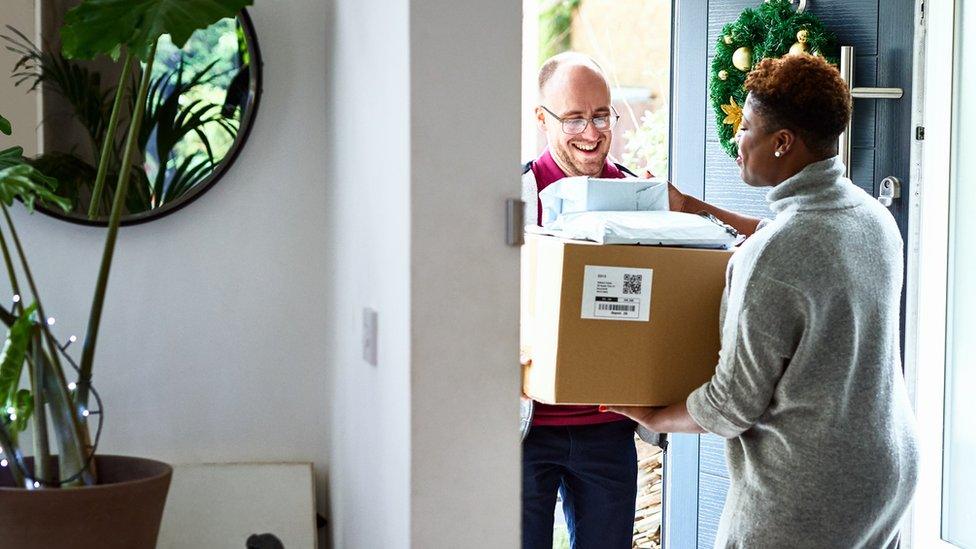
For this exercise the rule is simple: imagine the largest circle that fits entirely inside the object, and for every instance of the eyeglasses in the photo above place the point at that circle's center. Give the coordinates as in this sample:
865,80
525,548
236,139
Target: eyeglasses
576,126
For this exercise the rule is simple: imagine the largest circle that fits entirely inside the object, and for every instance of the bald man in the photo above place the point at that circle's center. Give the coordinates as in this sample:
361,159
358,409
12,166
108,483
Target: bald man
586,455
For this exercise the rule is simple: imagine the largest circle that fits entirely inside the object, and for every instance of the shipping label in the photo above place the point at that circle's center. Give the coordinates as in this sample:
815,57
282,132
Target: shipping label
617,293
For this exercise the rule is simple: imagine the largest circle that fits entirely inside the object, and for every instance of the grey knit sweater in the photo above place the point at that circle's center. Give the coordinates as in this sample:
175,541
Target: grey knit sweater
808,389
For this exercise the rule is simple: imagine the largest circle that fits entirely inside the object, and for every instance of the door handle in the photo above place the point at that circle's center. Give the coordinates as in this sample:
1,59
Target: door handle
847,73
888,190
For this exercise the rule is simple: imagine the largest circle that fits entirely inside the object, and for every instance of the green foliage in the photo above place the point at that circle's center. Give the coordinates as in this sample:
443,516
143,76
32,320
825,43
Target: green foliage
29,185
13,356
769,30
97,27
92,28
169,119
555,22
79,86
4,126
184,136
647,145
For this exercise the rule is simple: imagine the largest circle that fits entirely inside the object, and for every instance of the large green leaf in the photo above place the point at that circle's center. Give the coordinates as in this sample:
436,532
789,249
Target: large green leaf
28,184
14,156
23,403
97,27
4,125
13,355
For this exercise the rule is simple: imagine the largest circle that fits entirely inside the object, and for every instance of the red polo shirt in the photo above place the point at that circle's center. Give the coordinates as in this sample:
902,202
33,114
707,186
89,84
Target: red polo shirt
546,172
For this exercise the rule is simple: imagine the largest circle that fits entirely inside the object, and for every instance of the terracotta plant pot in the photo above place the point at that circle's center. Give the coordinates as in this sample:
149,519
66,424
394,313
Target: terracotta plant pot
123,510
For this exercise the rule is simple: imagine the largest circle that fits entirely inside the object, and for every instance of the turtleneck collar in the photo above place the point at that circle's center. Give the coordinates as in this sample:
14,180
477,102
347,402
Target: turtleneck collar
818,186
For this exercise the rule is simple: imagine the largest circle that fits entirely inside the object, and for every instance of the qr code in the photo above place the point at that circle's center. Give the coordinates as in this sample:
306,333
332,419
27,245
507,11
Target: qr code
632,283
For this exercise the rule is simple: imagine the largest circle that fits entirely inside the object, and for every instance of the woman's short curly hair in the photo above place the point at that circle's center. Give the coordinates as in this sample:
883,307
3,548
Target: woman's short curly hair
803,93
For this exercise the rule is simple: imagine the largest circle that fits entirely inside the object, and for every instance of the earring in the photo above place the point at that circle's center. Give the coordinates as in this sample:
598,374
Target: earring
777,154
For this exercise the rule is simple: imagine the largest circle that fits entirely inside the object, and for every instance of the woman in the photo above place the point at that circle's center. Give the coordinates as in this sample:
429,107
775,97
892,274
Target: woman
808,389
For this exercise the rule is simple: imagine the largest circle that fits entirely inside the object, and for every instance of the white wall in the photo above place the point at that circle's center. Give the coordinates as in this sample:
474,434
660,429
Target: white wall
370,233
465,140
426,449
215,337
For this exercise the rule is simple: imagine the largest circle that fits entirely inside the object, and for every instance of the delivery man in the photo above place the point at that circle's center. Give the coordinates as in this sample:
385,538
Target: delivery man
588,456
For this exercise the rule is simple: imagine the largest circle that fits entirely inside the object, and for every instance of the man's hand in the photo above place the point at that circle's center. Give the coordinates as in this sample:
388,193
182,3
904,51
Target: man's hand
645,415
677,200
524,360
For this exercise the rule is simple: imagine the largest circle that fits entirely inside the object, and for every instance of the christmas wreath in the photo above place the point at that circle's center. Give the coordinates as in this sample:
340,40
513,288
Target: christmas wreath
773,29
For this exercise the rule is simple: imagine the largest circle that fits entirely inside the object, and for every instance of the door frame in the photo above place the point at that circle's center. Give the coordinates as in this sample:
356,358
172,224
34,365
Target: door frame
928,260
689,60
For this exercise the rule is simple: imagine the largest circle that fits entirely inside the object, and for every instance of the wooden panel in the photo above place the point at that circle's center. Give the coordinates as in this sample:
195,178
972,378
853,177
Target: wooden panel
725,189
712,456
894,122
865,110
711,499
855,22
862,169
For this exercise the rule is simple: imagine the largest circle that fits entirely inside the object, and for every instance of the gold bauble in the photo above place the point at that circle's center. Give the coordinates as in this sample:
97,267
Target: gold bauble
723,74
803,35
727,38
798,48
742,58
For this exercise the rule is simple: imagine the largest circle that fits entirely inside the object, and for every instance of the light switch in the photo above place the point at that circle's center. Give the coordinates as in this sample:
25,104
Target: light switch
370,335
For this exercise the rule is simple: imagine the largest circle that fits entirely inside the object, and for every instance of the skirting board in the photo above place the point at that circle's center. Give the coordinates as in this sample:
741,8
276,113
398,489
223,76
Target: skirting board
220,505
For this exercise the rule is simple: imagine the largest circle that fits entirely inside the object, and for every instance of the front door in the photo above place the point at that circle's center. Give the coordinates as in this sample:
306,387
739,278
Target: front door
881,33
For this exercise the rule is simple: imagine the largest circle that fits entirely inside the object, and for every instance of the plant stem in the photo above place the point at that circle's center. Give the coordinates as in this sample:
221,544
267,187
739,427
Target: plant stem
91,335
19,305
15,460
42,447
108,140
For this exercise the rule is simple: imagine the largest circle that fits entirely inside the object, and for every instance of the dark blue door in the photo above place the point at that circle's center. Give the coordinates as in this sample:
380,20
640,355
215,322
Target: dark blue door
881,33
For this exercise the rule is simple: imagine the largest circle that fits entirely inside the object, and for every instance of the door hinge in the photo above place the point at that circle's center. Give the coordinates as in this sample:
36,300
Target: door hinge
919,133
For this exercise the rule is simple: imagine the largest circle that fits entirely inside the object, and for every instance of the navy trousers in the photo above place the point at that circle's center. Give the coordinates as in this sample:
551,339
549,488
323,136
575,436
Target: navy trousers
594,467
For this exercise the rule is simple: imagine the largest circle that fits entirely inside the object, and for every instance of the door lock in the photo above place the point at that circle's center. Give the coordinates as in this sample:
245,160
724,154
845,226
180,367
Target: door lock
888,190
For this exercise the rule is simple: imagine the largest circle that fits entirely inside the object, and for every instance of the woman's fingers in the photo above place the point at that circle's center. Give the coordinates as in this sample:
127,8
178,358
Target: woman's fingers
641,414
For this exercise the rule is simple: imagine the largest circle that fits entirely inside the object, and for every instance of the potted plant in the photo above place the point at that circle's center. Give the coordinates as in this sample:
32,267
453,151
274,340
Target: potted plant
75,498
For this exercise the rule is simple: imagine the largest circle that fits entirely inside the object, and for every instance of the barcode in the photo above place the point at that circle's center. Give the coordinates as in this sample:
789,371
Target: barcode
615,307
632,283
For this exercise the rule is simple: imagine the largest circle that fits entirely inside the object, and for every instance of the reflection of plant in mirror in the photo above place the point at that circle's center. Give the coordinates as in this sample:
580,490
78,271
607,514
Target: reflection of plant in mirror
171,116
647,145
187,131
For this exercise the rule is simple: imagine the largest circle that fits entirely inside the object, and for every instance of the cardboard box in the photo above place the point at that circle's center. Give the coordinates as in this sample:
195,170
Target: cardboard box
618,324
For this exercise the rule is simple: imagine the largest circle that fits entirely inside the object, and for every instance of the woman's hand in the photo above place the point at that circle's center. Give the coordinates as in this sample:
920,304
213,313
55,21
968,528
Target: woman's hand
676,199
645,415
669,419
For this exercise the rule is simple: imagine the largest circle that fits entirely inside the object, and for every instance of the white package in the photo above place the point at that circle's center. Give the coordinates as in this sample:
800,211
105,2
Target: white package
587,194
656,228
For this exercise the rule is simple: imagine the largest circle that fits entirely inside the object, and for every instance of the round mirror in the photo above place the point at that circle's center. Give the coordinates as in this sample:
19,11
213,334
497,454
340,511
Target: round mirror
201,103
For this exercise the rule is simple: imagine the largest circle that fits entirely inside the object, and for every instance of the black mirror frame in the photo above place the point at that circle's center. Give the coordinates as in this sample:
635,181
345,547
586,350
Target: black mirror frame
225,164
